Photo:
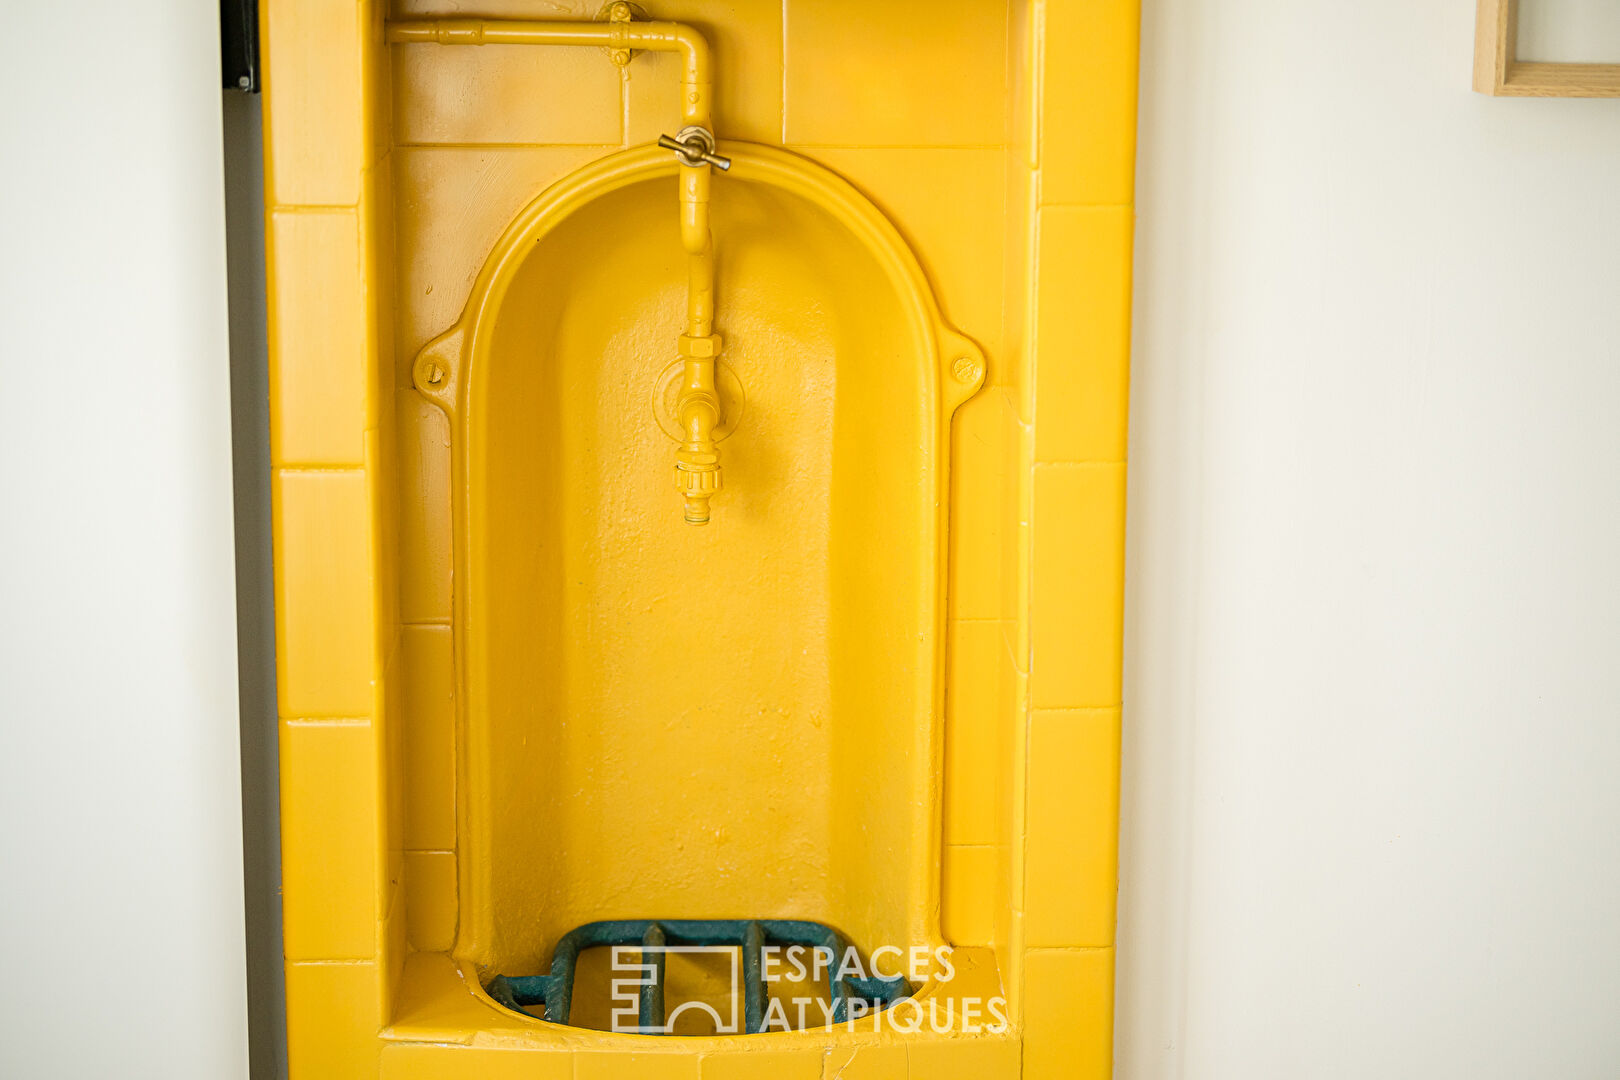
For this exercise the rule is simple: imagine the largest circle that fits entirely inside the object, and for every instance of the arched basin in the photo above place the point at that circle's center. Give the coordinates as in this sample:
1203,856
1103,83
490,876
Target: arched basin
735,721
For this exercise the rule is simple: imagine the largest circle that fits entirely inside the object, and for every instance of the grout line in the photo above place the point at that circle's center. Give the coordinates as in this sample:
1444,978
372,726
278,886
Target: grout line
342,470
326,721
429,851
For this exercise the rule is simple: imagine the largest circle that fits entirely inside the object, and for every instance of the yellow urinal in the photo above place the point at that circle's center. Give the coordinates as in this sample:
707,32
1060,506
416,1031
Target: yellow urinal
699,435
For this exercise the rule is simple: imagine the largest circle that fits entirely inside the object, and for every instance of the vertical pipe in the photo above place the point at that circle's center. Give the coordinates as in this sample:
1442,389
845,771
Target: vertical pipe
651,1017
700,292
753,963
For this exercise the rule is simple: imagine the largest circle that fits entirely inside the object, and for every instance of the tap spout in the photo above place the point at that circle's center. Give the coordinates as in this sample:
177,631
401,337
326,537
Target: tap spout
697,411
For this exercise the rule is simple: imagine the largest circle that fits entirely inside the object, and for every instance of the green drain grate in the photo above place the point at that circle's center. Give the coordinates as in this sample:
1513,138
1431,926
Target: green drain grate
556,990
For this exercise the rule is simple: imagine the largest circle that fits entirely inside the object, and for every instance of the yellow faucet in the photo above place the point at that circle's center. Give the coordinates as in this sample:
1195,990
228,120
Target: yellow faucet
697,408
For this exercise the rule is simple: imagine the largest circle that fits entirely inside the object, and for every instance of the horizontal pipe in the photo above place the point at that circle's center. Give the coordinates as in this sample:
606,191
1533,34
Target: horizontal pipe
696,82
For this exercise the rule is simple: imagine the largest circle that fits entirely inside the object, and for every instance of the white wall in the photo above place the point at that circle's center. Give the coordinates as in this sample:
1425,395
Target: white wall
1569,31
120,821
1372,791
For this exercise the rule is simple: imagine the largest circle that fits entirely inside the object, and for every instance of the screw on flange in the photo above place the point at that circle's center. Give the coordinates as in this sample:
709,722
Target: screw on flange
431,374
967,369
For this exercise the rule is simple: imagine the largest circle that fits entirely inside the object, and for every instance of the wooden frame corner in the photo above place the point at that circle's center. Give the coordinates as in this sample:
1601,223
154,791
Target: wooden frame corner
1498,71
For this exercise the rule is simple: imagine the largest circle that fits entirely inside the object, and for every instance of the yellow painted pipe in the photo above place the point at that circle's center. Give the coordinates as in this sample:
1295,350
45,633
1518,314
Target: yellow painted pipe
697,84
700,292
697,407
695,207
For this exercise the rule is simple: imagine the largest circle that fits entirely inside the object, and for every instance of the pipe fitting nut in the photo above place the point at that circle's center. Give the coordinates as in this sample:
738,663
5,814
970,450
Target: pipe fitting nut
699,348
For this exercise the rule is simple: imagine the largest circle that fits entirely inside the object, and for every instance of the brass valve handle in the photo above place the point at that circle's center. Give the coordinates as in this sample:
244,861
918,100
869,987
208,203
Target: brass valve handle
695,146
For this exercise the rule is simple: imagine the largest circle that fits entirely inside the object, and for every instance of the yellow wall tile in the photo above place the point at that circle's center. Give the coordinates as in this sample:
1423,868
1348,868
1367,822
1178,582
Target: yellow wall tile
390,716
424,1061
1072,857
395,946
1010,955
964,1059
1006,935
975,725
1018,217
320,363
753,1065
864,74
425,554
1017,375
430,738
926,193
314,103
377,242
390,723
982,466
382,489
1077,588
866,1062
430,897
1069,1014
1083,333
454,204
1016,562
376,67
1012,757
495,9
971,892
324,632
1088,102
745,39
334,1012
620,1066
1023,116
329,840
505,94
